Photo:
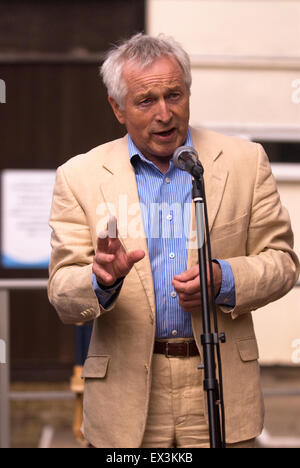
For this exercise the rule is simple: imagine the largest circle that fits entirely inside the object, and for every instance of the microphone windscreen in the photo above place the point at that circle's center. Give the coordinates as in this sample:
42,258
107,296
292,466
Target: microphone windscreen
183,155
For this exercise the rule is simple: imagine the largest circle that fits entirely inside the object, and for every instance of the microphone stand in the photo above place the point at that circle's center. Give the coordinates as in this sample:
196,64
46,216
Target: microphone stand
210,341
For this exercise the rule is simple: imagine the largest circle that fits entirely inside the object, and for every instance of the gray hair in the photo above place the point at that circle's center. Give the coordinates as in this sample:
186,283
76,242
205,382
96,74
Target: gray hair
144,50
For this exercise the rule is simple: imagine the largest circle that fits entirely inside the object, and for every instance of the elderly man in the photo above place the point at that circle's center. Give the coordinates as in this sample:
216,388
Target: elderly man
137,275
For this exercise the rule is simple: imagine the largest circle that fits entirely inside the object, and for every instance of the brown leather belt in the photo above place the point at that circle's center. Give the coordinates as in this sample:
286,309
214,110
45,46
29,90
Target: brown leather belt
176,349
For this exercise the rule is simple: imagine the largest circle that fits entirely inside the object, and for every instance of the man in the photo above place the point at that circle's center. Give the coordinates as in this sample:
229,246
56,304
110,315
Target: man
124,255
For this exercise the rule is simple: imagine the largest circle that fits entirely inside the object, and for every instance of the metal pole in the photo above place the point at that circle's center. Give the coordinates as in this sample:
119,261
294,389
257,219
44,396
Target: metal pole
5,287
23,284
4,370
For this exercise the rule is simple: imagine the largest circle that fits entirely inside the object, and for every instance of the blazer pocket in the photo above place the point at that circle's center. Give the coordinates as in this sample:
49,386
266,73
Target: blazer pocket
230,229
95,367
248,349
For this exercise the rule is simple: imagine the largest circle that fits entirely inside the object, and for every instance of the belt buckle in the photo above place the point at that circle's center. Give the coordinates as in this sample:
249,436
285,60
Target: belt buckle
186,343
167,350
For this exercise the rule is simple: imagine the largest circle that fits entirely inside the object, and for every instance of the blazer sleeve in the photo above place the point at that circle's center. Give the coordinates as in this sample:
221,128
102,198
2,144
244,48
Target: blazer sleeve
271,267
70,288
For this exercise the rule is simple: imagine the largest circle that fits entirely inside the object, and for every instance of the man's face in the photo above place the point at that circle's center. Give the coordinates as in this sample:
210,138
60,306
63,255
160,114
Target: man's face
156,107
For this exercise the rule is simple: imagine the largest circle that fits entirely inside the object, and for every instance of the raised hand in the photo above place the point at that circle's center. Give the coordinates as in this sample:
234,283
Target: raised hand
111,261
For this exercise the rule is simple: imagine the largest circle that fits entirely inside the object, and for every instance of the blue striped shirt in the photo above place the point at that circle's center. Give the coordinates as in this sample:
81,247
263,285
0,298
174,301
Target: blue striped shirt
166,205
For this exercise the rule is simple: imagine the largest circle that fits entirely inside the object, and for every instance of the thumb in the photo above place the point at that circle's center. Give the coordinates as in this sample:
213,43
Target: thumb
135,256
188,275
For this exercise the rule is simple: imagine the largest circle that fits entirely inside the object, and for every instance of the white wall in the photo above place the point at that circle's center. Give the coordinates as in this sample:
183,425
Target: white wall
229,27
245,56
244,98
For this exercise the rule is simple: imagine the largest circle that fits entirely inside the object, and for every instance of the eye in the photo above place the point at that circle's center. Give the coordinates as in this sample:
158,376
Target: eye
146,102
174,96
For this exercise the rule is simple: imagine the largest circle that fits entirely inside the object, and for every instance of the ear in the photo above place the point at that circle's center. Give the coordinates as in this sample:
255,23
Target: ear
117,110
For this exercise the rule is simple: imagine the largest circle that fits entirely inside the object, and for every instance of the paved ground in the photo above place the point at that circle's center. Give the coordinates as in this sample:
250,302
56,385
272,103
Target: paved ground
49,422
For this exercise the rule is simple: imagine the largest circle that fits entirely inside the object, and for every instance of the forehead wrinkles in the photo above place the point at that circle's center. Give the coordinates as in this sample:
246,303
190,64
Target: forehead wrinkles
147,78
144,84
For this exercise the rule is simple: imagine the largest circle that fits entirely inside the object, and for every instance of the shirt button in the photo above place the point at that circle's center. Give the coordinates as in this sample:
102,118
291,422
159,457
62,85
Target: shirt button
167,180
174,332
169,217
172,255
173,294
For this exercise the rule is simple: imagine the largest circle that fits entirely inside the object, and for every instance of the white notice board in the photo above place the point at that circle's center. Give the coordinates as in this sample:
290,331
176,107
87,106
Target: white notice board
26,197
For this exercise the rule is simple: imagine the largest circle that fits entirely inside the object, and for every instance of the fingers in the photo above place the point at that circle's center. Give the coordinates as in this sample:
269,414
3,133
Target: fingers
111,261
103,276
108,269
102,268
189,287
112,228
192,306
108,240
104,258
102,243
187,282
188,275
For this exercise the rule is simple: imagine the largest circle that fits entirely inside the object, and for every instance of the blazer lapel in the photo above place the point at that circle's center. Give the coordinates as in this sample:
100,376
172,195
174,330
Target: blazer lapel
119,190
215,177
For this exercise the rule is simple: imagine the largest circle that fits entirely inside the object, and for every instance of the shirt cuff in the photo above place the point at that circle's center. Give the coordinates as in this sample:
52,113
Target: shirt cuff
106,295
226,295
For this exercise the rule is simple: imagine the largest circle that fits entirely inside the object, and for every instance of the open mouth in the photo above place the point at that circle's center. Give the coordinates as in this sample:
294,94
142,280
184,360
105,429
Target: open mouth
166,133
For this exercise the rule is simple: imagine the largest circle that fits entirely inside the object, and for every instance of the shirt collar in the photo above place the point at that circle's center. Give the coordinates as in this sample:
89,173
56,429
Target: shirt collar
135,153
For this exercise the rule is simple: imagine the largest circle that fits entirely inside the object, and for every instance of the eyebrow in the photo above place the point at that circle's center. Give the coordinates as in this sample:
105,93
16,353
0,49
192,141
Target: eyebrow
150,93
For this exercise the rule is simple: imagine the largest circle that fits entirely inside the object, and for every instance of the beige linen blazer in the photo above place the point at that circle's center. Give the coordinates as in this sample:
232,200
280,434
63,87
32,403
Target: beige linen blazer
249,228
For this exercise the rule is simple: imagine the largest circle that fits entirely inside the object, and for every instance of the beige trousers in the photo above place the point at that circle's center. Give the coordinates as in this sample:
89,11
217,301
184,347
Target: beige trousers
176,411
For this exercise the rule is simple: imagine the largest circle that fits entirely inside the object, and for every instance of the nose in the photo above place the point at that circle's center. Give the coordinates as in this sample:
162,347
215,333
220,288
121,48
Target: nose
163,114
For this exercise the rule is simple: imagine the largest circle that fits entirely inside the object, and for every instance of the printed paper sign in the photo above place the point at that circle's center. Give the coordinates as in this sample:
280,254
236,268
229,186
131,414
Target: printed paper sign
25,207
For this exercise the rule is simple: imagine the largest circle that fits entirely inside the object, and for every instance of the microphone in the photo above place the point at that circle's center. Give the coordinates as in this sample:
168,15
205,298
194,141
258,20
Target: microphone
186,159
